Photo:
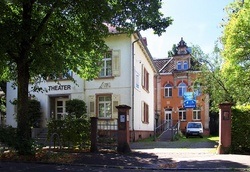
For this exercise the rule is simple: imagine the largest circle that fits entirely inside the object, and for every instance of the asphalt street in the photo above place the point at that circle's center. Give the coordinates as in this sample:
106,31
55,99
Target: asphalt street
160,156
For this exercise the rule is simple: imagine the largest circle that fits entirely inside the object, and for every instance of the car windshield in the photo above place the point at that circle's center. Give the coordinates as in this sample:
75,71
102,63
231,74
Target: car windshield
194,125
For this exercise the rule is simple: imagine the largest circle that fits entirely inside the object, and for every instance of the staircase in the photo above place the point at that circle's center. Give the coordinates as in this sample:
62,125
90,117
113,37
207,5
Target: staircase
169,133
40,136
165,136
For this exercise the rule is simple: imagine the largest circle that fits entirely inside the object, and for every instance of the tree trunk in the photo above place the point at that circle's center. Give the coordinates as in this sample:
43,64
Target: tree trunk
23,128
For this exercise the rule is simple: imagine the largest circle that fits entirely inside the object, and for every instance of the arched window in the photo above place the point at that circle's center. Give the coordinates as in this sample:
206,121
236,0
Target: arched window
168,89
179,65
197,89
182,88
185,65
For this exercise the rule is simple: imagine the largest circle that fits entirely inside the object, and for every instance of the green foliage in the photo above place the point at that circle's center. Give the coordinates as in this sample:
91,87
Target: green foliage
48,38
73,132
76,108
172,52
34,112
8,136
241,129
236,43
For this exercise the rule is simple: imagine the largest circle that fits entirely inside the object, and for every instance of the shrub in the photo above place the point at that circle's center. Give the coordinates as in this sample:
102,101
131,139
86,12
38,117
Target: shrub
241,130
76,108
73,132
34,112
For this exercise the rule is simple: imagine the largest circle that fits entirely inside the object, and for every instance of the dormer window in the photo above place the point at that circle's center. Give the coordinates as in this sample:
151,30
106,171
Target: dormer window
185,65
179,65
182,65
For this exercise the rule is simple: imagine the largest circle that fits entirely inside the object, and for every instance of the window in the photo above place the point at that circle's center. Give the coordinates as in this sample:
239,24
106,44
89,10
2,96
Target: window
197,89
110,66
182,114
182,65
145,79
145,112
179,64
104,106
185,65
182,88
106,69
196,114
168,90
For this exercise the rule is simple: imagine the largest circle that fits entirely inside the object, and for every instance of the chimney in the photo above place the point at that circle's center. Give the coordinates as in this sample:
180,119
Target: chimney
144,40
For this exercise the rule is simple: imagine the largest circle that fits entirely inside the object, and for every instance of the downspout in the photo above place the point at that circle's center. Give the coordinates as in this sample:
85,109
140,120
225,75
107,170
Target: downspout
132,87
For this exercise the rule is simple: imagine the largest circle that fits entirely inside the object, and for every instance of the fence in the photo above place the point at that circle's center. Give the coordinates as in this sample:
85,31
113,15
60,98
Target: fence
107,134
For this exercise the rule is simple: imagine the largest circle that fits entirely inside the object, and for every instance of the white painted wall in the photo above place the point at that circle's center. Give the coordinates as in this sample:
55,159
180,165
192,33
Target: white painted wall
75,91
141,94
121,85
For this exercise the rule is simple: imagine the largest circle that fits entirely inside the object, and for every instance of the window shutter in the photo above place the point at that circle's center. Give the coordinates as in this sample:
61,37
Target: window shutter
142,76
116,62
92,106
142,112
115,102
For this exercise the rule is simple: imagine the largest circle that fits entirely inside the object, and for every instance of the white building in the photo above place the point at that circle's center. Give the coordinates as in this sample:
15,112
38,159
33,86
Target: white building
127,77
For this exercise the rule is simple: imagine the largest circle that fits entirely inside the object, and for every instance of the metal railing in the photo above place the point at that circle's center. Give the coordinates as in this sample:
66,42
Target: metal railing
167,125
107,134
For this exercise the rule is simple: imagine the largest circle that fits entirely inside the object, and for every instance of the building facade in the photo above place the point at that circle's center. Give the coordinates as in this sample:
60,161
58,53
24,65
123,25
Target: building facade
126,78
178,76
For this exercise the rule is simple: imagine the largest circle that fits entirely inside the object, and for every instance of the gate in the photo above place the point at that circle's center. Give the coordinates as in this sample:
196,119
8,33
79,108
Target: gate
107,134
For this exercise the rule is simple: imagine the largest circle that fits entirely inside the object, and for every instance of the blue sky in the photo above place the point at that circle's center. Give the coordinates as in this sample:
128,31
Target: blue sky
197,21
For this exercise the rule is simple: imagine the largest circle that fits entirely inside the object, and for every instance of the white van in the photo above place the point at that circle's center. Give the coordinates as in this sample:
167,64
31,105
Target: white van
194,129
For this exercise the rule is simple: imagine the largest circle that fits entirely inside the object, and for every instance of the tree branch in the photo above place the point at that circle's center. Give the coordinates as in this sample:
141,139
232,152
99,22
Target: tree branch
43,22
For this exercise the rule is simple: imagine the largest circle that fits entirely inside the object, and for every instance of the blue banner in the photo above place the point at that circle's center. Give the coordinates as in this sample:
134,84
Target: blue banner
189,100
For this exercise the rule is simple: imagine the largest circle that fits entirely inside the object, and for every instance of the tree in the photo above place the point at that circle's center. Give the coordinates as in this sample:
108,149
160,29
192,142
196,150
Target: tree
50,37
211,77
236,50
172,52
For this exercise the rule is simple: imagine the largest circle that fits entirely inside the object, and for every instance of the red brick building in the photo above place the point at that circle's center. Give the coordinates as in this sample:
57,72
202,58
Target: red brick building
178,75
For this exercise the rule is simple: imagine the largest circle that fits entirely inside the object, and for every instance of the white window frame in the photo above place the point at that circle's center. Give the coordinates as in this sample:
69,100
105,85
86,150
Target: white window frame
196,114
179,65
105,70
185,65
183,88
168,89
107,106
183,114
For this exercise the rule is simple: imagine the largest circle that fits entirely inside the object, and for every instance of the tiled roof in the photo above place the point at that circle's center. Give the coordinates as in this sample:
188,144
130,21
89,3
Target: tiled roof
164,65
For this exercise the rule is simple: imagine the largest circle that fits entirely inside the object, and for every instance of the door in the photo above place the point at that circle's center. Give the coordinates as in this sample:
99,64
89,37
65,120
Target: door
168,119
60,108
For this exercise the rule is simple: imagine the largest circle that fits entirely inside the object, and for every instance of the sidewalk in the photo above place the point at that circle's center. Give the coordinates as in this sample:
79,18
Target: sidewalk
193,155
154,156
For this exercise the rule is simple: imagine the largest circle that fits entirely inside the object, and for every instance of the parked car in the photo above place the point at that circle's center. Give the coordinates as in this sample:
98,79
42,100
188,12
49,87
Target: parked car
194,129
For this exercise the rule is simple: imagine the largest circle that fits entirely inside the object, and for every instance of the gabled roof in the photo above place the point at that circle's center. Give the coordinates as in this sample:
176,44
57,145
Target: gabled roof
165,65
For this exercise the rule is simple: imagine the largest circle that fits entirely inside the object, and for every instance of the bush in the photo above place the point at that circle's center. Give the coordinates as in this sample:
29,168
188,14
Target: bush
76,108
8,136
34,112
72,132
241,130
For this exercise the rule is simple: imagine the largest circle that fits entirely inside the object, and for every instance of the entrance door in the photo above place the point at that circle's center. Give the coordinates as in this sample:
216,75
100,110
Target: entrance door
60,108
168,118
